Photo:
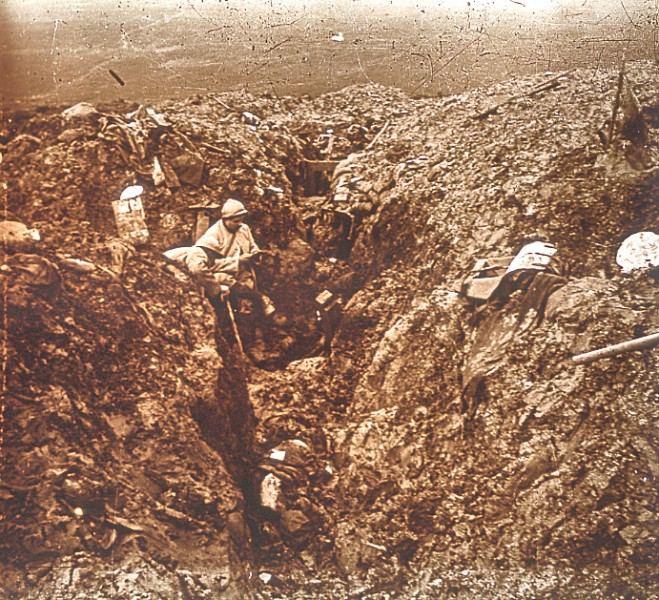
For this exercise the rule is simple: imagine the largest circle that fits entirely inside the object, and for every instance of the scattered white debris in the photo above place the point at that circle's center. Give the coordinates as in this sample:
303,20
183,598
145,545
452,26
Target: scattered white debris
16,237
639,251
80,110
376,546
279,455
250,119
270,492
536,255
132,191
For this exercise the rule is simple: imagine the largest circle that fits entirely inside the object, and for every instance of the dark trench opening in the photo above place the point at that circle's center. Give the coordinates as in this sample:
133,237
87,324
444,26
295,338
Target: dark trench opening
245,339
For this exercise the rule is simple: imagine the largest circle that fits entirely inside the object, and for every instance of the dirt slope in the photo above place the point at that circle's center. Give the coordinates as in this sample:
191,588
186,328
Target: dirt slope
547,472
442,449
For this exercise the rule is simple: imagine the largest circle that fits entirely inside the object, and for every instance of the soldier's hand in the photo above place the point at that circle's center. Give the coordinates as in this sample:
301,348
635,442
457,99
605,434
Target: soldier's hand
257,255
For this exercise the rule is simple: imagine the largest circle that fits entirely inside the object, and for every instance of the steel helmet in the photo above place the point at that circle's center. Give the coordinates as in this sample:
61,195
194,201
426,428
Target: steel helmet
233,208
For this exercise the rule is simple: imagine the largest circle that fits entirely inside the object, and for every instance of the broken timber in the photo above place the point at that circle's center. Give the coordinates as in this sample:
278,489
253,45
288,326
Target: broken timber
234,327
638,344
541,87
616,103
202,218
377,136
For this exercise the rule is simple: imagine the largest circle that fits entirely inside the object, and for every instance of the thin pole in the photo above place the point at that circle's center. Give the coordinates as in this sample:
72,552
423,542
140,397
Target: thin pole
616,104
638,344
234,327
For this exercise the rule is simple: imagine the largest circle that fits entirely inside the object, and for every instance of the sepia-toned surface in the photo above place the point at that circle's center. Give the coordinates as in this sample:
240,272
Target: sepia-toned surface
100,50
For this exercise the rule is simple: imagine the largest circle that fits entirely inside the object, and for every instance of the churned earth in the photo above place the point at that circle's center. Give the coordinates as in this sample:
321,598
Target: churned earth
427,445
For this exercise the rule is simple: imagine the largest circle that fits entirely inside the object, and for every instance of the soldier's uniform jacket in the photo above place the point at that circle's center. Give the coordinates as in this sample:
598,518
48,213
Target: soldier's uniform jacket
226,247
214,259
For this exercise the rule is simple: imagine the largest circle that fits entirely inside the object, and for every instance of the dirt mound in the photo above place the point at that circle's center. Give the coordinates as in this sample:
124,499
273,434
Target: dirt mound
426,444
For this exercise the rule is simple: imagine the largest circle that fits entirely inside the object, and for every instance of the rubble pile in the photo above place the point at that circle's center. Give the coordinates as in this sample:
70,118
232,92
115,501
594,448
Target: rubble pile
414,425
100,371
471,455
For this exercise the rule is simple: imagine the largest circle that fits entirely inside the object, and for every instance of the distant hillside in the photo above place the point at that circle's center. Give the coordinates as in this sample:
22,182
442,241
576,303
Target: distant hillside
61,54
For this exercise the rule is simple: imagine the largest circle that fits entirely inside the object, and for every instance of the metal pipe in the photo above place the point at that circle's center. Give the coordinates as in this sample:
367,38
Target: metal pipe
638,344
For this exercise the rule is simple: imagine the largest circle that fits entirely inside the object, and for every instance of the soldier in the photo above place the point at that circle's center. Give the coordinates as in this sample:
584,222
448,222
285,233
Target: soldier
222,259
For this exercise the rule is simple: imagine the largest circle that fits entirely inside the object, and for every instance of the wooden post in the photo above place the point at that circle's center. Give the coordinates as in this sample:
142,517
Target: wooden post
616,104
202,218
234,327
201,223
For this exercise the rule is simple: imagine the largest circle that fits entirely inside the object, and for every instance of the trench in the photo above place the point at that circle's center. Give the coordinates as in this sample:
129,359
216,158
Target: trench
229,424
313,306
522,408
